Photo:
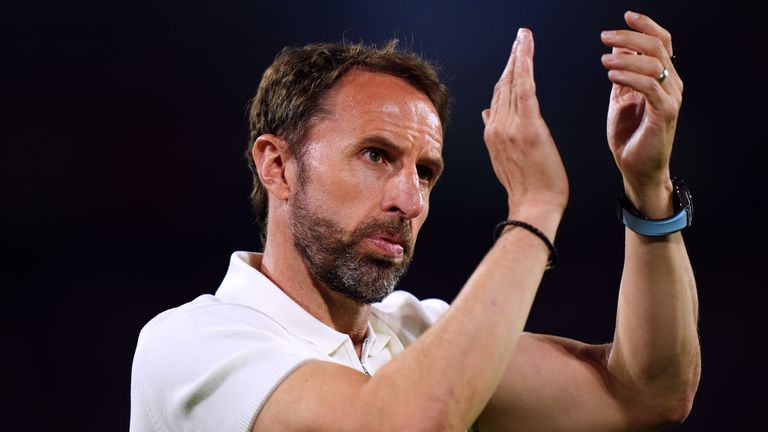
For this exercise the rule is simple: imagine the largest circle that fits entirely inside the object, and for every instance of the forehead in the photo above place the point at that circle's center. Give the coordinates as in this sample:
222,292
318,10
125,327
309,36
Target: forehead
364,99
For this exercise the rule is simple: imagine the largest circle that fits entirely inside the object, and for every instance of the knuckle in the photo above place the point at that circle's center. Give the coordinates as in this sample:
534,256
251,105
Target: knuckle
509,134
670,108
524,97
651,84
526,91
667,36
678,100
493,133
501,86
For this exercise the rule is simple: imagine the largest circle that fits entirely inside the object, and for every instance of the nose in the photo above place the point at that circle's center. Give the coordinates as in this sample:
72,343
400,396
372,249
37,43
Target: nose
403,194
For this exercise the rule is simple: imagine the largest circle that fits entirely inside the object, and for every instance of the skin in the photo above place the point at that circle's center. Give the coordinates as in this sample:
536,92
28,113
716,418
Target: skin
374,167
644,380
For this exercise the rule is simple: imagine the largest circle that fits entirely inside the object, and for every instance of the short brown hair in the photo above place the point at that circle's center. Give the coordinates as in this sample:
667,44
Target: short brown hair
292,89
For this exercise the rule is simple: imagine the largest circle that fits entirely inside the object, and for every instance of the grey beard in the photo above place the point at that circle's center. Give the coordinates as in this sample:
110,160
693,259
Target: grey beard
335,262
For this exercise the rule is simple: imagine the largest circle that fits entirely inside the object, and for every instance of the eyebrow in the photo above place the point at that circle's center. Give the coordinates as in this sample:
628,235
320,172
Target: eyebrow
435,163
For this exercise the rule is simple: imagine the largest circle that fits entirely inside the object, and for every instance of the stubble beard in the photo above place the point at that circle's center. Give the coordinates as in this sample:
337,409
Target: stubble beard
336,262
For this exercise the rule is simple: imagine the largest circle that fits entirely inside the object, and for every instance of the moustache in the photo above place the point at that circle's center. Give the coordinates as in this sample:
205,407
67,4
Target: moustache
399,228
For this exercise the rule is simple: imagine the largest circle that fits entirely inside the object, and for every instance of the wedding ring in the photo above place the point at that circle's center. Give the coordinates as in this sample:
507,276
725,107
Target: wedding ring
662,76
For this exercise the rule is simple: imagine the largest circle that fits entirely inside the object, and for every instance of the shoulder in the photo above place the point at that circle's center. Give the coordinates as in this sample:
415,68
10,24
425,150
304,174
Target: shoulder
209,357
408,316
205,313
198,334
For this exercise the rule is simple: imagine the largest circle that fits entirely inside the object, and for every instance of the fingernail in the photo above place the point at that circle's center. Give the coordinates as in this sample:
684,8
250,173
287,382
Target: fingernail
608,35
634,15
608,58
522,34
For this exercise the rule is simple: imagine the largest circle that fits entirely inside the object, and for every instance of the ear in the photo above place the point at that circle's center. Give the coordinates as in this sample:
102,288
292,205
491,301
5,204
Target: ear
271,156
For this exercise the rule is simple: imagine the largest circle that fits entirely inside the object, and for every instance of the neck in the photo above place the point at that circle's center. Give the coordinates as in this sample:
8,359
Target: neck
287,269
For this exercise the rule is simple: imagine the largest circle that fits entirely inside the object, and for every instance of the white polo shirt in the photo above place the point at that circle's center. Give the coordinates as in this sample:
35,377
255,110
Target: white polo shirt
210,364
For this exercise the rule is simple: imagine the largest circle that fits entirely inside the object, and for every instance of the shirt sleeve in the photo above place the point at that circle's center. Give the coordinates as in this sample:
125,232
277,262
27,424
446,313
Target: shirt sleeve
408,316
208,367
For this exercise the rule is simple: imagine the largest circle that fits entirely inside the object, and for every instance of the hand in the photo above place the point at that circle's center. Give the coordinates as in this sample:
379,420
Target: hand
523,153
643,111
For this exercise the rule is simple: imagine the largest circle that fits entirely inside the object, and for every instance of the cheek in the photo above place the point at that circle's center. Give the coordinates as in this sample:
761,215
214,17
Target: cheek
348,192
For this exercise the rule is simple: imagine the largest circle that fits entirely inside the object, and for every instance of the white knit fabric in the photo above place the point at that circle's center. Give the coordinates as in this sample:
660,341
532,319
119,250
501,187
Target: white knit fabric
210,364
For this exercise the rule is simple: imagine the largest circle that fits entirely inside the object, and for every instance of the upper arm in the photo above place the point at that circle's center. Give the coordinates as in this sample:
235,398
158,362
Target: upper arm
321,395
317,396
554,383
324,396
208,367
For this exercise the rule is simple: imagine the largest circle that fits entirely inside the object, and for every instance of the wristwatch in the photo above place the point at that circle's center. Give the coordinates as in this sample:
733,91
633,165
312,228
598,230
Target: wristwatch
683,208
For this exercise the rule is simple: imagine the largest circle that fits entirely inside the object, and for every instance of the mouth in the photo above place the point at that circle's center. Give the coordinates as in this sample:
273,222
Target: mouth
387,244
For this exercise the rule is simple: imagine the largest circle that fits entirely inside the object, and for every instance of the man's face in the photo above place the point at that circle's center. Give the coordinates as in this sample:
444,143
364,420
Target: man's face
369,166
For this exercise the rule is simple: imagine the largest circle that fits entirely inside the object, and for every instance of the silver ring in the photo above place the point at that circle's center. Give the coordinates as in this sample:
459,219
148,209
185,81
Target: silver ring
662,76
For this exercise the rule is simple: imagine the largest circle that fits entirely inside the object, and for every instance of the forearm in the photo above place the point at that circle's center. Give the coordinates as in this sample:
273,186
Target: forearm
656,345
459,362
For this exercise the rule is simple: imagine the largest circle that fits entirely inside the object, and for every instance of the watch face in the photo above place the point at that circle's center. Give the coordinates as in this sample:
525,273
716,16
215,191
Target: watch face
683,199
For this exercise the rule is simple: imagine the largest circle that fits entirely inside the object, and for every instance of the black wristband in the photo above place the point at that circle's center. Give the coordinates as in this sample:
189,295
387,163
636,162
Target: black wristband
552,251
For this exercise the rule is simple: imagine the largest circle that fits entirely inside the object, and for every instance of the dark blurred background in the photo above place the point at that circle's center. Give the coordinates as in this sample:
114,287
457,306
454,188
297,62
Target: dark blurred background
125,188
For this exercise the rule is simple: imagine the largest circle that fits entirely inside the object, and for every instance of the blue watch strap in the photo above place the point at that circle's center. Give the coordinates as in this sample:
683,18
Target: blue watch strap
658,227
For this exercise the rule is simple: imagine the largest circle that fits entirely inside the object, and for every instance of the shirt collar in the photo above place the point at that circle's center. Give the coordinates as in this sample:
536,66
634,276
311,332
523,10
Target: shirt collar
379,335
244,284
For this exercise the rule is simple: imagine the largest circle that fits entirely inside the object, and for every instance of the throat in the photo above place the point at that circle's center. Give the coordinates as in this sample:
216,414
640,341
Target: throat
346,316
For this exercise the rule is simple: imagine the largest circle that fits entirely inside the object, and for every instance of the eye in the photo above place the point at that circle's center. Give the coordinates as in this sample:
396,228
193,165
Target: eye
425,173
374,155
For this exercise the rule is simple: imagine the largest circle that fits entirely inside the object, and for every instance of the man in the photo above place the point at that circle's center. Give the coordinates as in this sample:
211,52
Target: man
346,147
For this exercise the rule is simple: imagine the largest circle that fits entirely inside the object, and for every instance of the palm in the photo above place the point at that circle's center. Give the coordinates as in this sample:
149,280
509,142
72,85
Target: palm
636,133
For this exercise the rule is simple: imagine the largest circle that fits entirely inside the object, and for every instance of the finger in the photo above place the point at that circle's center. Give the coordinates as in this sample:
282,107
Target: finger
645,65
524,85
645,24
648,86
643,44
486,114
509,68
501,100
617,50
638,42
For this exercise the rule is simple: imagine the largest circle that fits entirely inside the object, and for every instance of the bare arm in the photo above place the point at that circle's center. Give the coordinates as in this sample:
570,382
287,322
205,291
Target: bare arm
647,377
443,380
645,380
434,384
656,343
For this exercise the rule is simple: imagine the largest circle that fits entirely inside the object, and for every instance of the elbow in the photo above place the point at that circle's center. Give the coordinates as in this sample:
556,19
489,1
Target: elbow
670,405
683,392
675,410
431,425
439,413
419,416
435,418
426,422
665,398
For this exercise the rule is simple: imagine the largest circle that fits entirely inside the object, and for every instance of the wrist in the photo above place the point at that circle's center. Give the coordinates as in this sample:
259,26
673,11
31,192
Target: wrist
654,200
501,226
545,218
682,209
